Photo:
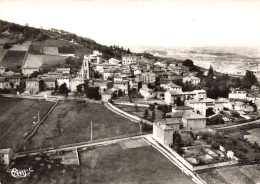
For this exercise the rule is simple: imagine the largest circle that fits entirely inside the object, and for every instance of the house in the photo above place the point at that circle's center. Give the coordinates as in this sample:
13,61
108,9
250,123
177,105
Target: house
171,86
193,121
123,86
192,79
237,94
63,79
4,84
27,71
148,77
75,82
130,59
147,93
49,84
14,80
172,95
160,92
111,73
34,86
2,70
10,73
102,85
200,106
176,115
195,94
6,156
163,130
63,70
135,84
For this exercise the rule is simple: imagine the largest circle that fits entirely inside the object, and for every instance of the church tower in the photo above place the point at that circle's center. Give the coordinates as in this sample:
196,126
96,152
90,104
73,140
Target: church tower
85,69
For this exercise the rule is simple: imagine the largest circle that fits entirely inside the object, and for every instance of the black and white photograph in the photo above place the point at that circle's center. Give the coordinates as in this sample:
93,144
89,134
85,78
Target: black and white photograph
129,91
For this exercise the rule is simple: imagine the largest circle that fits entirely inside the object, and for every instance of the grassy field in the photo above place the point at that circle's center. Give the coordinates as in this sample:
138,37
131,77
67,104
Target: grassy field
16,119
13,59
70,122
139,111
248,174
104,164
39,60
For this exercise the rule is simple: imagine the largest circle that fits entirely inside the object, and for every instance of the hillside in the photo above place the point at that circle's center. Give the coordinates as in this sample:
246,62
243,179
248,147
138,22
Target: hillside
53,40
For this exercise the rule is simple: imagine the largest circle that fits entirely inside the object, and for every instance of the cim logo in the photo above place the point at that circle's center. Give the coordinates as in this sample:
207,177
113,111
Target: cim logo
19,173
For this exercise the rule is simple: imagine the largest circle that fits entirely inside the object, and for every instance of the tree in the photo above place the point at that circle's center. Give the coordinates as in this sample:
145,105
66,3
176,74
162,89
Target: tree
146,114
153,115
128,51
7,46
12,85
64,89
80,88
210,72
250,77
188,63
178,101
34,74
93,93
213,90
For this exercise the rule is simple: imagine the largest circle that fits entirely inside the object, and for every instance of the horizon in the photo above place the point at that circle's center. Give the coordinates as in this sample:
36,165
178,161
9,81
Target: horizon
166,24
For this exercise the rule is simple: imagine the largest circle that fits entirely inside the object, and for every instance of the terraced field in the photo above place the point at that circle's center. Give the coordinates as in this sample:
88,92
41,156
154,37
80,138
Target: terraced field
12,59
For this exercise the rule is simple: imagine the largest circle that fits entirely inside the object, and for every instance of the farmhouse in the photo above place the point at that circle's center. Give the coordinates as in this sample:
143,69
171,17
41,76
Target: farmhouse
193,121
6,156
172,95
123,86
63,70
148,77
27,71
49,83
192,79
147,93
34,86
200,106
130,59
163,130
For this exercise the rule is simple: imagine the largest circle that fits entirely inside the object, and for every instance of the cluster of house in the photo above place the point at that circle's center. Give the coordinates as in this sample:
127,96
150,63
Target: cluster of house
9,79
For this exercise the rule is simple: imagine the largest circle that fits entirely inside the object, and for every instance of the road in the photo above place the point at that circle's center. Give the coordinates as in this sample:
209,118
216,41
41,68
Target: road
238,125
76,146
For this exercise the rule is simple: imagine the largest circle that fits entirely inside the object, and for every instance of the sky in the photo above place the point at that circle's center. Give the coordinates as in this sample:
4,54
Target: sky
162,23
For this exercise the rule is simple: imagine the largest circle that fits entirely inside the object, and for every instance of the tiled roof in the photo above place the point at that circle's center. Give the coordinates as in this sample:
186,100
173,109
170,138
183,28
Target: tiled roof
192,115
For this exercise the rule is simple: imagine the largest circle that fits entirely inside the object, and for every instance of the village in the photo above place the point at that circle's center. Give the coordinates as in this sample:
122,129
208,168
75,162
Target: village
75,111
162,95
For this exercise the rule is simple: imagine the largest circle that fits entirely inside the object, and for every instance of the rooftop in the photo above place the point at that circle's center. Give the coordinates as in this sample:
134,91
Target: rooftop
192,115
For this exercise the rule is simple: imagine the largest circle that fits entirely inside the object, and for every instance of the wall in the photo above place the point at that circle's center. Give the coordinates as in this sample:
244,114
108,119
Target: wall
129,115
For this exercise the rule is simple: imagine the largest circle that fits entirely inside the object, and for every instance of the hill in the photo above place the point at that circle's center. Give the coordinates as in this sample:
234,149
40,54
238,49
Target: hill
62,41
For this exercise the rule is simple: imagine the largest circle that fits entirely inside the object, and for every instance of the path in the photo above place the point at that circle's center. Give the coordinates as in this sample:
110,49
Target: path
76,146
238,125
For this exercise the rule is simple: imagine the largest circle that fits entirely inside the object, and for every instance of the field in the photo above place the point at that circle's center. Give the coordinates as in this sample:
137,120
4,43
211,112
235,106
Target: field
2,53
13,59
38,60
70,122
248,174
16,119
50,50
104,164
139,111
21,47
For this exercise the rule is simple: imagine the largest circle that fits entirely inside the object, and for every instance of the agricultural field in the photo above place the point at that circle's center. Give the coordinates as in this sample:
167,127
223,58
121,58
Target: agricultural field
21,47
16,119
12,59
70,122
38,60
103,164
248,174
50,50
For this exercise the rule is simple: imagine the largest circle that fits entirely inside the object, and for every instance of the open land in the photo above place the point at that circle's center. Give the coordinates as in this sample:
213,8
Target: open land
12,59
16,119
70,122
248,174
104,164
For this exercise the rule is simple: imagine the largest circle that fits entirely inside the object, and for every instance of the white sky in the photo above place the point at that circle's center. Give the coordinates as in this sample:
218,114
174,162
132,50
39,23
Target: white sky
146,23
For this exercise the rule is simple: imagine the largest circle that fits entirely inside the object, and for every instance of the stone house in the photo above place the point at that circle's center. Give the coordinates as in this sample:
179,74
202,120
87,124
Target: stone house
34,86
163,130
193,121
